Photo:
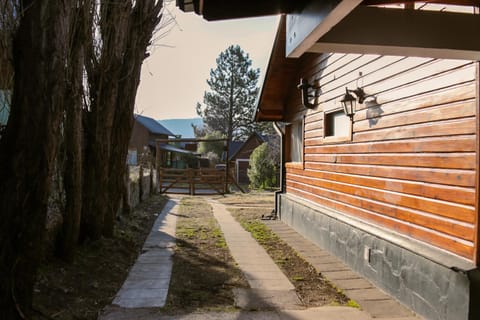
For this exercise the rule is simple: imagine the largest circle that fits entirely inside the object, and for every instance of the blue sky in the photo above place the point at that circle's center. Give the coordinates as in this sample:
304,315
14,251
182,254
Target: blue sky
174,76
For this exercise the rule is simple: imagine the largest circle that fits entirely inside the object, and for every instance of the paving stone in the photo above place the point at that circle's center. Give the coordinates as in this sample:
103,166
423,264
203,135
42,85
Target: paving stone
156,270
335,266
271,284
350,284
325,313
261,272
385,309
143,303
148,280
340,275
373,300
139,294
323,260
154,259
255,299
161,283
252,267
367,294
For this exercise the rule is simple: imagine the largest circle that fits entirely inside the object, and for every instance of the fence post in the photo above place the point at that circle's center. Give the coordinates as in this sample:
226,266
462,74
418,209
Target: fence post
140,184
157,166
159,179
126,206
194,178
150,180
190,182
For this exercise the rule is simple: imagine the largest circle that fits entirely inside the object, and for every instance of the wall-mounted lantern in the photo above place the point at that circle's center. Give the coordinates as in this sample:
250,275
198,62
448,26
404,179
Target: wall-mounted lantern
304,86
349,102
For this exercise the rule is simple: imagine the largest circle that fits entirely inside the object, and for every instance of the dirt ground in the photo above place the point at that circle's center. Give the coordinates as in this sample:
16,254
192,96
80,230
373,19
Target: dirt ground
204,272
81,289
312,289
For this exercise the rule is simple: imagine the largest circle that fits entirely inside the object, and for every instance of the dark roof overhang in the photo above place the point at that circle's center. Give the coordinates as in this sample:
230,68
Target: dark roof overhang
279,75
356,26
213,10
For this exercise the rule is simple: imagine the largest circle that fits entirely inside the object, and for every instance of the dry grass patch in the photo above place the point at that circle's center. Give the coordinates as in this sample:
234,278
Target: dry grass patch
204,272
81,289
312,289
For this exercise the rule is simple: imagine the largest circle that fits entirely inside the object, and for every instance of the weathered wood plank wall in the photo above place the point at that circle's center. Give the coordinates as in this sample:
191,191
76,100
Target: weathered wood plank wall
411,164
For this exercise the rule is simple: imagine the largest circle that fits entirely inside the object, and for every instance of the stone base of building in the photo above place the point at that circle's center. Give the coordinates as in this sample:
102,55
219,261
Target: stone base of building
431,282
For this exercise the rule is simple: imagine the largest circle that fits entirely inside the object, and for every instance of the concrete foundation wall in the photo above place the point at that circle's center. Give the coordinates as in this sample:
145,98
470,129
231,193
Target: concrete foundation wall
431,289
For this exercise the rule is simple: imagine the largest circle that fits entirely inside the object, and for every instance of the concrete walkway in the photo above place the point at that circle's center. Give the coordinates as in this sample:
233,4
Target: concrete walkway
270,290
148,280
269,287
371,299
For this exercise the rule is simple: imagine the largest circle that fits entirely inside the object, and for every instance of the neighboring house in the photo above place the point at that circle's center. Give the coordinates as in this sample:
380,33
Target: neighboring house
144,134
392,191
240,156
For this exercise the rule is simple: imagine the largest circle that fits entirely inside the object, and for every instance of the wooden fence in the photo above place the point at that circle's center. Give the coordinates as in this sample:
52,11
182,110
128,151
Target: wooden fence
191,181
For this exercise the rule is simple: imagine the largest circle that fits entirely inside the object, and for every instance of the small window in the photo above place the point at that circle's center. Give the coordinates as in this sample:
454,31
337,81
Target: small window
296,138
337,126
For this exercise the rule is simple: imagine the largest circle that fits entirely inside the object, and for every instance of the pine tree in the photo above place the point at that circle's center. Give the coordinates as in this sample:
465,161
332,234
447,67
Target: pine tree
229,105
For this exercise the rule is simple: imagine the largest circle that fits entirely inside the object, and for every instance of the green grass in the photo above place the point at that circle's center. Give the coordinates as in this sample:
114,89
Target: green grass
353,304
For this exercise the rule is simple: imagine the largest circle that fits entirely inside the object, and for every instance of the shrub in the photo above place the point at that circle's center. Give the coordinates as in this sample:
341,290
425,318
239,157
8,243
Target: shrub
263,170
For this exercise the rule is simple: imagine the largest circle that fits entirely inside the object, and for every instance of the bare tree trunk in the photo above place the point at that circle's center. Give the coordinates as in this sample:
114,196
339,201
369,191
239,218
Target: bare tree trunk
73,138
125,40
28,149
104,89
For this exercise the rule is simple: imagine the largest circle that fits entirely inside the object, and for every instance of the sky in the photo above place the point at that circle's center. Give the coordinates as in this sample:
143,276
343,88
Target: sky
174,77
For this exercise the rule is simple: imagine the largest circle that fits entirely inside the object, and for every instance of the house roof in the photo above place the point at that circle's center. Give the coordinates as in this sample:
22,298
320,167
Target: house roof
234,150
281,72
168,147
212,10
363,27
153,126
234,147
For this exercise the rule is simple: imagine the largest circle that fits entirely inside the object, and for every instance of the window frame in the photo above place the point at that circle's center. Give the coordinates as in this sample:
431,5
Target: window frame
301,149
336,139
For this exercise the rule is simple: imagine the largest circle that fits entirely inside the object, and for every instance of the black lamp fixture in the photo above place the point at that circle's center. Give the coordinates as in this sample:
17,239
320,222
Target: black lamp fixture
304,86
349,102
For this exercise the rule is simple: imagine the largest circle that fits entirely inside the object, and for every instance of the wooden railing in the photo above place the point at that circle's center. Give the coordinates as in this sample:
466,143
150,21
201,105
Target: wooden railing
192,181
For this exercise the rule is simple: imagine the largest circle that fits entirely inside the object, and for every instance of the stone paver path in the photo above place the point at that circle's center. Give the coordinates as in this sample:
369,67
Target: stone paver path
148,280
374,301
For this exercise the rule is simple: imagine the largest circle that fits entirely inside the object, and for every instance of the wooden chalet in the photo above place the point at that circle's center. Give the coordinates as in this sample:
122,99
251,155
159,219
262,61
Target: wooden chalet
144,134
392,190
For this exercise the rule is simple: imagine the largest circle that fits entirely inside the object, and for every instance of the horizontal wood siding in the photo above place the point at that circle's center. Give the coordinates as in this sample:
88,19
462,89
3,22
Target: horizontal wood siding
411,163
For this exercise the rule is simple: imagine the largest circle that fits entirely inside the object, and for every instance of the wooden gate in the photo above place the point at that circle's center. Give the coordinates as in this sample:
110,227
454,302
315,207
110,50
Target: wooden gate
191,181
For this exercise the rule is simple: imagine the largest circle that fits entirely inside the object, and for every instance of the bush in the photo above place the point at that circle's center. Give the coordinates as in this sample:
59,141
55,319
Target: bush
263,170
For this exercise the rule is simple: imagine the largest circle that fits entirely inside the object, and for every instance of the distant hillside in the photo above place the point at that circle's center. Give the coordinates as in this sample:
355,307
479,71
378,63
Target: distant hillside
181,126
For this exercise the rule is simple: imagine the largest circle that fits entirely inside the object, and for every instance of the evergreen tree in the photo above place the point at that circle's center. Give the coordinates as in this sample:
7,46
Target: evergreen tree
228,107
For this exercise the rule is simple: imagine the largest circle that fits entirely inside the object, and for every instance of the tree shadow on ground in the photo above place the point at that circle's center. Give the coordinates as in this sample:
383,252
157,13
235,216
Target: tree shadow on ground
201,280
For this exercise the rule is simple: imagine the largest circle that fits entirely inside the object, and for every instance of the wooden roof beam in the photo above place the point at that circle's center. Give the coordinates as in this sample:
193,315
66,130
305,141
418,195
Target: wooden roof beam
213,10
370,30
268,115
315,19
469,3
